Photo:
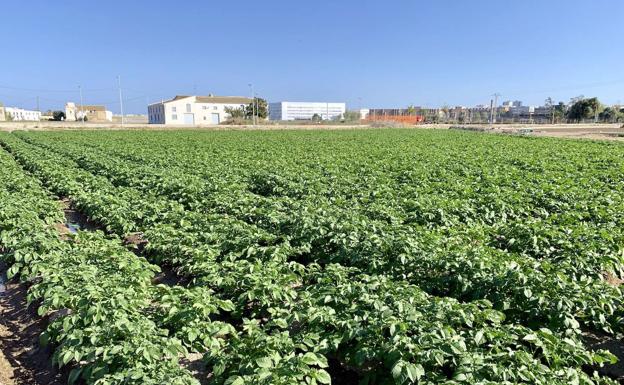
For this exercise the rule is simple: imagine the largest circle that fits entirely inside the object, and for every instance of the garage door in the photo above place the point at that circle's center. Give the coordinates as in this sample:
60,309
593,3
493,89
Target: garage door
189,119
215,118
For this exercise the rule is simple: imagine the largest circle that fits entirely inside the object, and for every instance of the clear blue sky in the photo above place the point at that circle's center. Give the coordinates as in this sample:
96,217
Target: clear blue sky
388,53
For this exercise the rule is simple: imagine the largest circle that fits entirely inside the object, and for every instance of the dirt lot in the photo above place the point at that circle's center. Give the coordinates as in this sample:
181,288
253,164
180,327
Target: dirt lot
582,131
573,131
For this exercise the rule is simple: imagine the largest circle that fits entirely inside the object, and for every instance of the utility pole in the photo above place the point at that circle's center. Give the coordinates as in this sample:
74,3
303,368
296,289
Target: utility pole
495,111
491,111
120,100
256,108
253,104
81,112
38,104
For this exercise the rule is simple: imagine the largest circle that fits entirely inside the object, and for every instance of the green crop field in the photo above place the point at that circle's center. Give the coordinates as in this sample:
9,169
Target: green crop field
314,257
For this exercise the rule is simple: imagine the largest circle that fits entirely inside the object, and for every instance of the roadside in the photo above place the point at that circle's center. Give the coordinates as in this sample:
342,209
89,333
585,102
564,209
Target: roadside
571,131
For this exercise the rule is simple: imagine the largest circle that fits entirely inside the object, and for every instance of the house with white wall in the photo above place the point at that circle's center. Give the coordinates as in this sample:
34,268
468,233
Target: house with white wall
19,114
194,110
91,113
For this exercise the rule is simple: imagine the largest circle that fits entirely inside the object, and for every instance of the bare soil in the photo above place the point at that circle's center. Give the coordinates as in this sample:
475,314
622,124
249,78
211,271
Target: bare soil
194,363
596,341
169,277
600,131
74,219
22,360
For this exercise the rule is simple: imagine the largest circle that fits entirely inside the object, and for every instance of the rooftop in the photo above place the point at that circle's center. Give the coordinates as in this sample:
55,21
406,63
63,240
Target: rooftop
212,99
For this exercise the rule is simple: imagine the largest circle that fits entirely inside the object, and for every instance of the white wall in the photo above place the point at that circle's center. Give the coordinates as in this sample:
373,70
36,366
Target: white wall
172,112
19,114
306,110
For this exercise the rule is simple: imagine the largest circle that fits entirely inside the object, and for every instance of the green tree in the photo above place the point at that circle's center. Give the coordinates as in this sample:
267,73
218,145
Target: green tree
608,115
316,118
559,112
58,115
351,116
259,106
612,115
235,113
549,104
584,109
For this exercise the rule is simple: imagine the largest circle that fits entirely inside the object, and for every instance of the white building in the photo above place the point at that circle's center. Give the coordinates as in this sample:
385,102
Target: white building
306,110
19,114
194,110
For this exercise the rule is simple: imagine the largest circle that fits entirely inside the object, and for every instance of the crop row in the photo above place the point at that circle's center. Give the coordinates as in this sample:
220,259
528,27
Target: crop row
385,330
95,292
456,261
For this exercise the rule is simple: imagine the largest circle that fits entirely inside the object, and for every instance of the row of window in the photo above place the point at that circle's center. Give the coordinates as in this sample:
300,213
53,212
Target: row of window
188,108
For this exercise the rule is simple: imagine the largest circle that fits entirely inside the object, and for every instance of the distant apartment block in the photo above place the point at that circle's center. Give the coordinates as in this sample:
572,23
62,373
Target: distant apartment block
20,114
306,110
90,113
194,110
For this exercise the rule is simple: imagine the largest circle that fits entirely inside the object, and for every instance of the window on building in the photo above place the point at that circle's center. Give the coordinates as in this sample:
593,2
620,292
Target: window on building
174,117
214,108
188,107
173,109
204,107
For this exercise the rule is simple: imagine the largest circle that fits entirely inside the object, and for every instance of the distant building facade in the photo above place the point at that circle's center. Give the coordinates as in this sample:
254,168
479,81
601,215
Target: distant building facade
194,110
19,114
410,115
306,110
90,113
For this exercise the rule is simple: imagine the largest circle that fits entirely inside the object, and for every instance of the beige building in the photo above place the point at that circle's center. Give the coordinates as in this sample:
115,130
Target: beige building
90,113
194,110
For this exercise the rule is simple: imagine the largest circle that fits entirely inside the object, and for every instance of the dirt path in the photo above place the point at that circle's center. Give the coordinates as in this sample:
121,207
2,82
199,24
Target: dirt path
22,360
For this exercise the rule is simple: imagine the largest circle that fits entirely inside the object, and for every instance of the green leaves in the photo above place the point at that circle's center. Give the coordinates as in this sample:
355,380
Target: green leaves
407,373
313,359
400,256
264,362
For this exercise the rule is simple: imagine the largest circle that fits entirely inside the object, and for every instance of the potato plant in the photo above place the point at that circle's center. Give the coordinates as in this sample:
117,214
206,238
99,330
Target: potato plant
393,256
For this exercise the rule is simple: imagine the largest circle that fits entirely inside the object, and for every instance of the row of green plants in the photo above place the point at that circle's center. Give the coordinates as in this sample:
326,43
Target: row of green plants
257,238
96,294
467,257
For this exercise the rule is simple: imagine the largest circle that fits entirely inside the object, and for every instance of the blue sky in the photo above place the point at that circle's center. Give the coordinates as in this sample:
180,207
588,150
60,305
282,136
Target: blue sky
369,53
